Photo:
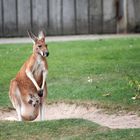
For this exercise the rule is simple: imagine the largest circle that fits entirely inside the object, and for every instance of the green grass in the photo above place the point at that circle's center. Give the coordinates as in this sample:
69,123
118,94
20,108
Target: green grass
72,129
107,62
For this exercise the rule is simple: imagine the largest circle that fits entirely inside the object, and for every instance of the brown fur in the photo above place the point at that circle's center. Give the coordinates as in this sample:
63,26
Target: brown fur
21,87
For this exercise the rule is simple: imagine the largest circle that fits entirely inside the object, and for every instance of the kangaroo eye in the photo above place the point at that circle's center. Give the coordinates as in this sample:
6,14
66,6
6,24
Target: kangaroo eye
39,46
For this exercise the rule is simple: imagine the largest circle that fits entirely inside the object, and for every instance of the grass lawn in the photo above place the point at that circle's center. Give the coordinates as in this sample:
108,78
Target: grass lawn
72,129
106,62
71,65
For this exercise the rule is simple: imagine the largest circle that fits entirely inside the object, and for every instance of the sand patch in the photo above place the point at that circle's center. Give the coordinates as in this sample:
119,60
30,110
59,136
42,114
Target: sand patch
66,111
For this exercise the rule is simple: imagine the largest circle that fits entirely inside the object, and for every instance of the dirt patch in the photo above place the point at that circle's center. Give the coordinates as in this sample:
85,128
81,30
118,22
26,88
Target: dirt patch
66,111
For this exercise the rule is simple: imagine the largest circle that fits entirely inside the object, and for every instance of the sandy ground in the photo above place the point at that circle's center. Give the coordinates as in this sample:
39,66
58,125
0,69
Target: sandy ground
66,111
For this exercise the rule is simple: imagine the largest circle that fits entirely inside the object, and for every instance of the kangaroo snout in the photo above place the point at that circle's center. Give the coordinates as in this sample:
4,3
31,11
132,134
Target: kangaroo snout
47,54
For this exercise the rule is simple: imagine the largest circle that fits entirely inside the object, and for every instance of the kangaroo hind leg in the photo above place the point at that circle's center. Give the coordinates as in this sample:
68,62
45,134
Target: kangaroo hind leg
14,94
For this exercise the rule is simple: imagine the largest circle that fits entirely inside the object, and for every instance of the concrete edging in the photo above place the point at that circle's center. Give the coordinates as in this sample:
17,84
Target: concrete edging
67,38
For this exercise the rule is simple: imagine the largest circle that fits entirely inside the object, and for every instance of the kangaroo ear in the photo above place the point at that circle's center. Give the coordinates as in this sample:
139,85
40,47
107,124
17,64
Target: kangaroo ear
32,36
41,35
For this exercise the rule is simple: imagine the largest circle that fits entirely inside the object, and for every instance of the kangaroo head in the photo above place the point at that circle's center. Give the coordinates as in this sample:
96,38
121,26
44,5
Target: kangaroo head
39,47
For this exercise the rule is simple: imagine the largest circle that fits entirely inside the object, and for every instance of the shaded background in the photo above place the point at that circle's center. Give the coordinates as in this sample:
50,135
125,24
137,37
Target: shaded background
68,17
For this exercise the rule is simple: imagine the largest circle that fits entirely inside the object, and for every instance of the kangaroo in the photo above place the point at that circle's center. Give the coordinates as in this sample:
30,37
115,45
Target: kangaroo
28,89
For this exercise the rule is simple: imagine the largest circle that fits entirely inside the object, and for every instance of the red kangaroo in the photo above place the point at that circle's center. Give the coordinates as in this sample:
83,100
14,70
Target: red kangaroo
28,89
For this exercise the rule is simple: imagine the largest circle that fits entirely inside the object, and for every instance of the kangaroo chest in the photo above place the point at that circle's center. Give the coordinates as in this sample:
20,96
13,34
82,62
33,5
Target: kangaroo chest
37,69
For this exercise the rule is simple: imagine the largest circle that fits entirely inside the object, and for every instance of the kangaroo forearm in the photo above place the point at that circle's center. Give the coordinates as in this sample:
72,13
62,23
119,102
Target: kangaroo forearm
31,77
44,79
